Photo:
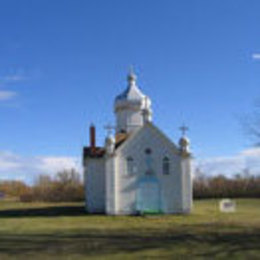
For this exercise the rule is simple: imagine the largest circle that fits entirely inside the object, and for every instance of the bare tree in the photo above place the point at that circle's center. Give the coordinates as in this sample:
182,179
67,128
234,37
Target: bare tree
66,185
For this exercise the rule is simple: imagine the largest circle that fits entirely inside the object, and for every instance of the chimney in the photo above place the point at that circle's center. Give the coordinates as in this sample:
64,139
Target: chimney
92,138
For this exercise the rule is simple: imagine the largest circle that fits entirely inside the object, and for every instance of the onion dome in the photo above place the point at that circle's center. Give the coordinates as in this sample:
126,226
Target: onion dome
132,97
184,141
110,140
110,144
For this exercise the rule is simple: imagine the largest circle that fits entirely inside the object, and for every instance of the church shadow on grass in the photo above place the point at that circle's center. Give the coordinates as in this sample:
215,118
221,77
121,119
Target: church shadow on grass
100,243
52,211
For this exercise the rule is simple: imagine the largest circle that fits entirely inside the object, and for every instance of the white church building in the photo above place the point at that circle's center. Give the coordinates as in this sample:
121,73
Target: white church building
139,170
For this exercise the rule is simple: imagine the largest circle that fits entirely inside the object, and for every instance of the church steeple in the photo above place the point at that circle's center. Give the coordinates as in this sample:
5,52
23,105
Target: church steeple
132,107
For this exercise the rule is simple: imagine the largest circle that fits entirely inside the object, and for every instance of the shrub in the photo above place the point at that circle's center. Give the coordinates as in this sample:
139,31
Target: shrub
65,186
223,187
13,188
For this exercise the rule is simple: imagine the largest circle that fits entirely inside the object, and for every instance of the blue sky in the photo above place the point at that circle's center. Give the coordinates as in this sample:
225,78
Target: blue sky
63,62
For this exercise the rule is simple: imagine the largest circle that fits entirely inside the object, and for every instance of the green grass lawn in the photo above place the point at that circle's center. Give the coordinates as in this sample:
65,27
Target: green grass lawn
64,231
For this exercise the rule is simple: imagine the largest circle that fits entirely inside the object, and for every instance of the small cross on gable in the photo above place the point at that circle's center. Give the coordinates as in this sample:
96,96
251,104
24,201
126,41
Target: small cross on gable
110,128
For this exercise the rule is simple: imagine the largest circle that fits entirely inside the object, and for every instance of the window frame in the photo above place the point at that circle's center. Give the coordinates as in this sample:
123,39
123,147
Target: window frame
130,168
166,165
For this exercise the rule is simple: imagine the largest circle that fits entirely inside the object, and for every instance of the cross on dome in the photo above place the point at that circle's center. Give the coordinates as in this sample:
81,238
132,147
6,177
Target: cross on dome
184,129
131,76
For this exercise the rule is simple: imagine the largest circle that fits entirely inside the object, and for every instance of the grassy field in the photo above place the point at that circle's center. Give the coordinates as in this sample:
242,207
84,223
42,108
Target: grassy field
64,231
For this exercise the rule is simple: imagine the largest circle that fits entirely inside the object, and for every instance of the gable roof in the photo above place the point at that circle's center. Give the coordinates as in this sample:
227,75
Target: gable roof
156,130
123,139
120,139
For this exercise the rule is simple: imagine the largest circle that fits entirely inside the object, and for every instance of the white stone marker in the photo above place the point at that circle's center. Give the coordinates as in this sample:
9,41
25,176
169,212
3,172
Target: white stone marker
227,205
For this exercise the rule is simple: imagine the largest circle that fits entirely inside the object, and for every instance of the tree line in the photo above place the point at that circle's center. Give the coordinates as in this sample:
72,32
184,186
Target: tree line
68,186
65,186
220,186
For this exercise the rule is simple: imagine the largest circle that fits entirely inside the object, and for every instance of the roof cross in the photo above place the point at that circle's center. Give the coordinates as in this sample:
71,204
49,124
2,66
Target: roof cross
184,129
131,69
109,128
131,76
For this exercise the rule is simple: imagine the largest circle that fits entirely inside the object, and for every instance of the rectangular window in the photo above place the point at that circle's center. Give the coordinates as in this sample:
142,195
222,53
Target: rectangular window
166,166
130,165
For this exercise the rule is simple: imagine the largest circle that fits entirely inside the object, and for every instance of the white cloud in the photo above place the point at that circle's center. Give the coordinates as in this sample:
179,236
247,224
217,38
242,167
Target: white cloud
10,79
13,78
253,152
16,167
230,165
256,56
7,95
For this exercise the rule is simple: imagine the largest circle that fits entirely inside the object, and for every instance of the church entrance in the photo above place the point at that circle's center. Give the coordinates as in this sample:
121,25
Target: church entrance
148,195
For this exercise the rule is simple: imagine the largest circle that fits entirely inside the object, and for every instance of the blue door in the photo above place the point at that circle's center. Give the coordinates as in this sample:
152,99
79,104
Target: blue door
148,195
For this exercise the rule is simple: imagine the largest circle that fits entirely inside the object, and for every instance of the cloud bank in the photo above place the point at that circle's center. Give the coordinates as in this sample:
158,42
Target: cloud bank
247,159
16,167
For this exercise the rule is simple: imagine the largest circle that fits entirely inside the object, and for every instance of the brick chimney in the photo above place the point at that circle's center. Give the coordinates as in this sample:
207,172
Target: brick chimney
92,138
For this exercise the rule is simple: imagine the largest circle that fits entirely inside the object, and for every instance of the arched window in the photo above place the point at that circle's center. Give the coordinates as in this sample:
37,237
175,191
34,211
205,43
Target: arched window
166,166
129,165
